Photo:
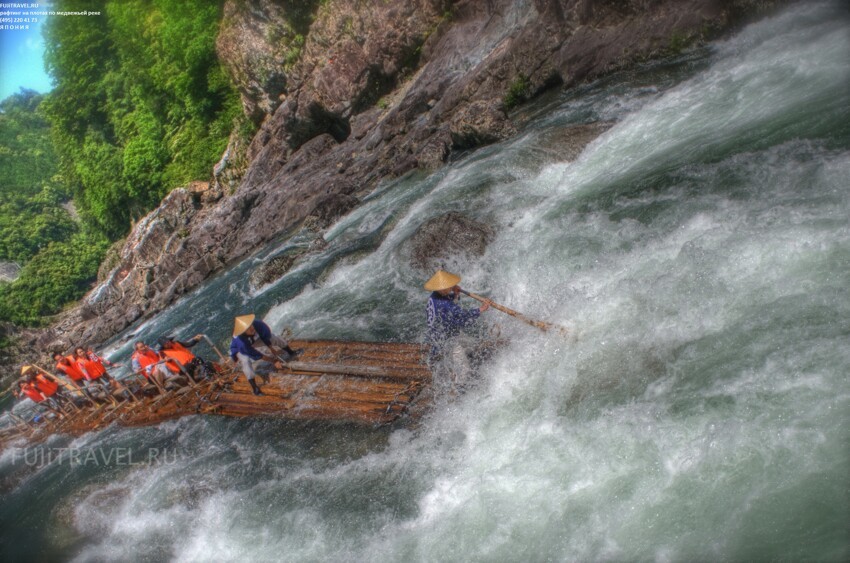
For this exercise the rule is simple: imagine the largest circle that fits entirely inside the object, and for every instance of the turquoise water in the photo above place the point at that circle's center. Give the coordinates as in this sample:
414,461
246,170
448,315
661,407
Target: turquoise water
699,250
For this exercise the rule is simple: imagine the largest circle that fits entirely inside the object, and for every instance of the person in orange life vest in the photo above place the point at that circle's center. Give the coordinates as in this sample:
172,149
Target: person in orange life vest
67,366
179,351
147,362
30,390
95,358
94,370
49,388
27,389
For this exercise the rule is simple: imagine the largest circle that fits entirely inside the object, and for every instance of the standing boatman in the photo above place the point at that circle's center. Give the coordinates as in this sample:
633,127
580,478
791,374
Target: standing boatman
247,330
446,320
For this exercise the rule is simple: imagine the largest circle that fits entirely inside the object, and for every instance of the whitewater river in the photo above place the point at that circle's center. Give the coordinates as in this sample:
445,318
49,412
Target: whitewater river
700,251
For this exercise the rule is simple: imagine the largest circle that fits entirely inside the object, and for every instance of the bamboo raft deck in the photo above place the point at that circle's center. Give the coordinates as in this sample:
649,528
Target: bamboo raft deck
362,382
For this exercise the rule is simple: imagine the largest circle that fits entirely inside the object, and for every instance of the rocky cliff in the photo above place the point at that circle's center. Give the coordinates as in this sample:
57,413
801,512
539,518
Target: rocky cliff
346,94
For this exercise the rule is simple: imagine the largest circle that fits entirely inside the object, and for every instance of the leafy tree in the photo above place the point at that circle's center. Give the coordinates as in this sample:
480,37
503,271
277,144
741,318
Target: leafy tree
30,192
57,275
156,107
140,105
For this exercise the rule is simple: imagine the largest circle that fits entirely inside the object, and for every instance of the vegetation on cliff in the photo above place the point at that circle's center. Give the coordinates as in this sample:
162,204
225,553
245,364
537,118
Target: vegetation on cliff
59,256
30,194
140,105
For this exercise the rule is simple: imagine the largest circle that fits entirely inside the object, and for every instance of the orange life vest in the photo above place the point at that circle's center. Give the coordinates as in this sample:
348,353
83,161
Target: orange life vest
180,347
146,359
183,357
32,392
70,369
47,387
92,369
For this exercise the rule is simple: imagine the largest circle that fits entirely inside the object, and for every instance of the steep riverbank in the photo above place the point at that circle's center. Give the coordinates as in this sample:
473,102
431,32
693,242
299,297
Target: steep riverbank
375,92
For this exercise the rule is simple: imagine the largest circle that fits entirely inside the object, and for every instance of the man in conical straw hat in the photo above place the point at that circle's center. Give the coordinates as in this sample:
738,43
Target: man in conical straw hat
446,318
247,330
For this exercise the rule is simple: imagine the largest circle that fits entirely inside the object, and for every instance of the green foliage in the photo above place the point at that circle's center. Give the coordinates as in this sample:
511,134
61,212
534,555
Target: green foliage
518,92
141,104
678,42
59,259
60,273
294,52
30,193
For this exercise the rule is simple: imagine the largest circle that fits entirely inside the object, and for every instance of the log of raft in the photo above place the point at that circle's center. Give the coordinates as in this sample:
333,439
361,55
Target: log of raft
361,382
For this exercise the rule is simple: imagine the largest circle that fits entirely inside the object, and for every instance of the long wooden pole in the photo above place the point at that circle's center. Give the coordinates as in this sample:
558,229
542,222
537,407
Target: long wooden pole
342,369
542,325
217,351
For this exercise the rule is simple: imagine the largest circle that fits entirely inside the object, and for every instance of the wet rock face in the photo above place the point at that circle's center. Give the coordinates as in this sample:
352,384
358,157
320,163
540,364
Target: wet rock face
480,123
156,264
258,42
448,239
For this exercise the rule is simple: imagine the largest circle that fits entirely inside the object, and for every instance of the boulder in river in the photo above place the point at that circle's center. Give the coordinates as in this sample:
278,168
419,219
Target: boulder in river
448,238
272,270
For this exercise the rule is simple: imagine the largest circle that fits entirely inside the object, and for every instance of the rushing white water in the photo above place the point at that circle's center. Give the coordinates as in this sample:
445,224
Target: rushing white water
700,251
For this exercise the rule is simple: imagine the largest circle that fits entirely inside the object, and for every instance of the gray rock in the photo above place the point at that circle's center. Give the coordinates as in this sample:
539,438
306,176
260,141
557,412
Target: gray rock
482,122
446,239
9,271
272,270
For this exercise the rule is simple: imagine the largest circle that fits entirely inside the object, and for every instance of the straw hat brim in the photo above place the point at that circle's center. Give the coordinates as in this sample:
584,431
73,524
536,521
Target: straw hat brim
241,324
442,280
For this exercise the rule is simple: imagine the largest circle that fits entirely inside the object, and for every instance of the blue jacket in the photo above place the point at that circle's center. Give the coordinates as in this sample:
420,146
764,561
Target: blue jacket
446,318
244,344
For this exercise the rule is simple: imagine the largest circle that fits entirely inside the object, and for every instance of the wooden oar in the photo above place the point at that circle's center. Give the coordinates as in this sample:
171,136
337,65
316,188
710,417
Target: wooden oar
542,325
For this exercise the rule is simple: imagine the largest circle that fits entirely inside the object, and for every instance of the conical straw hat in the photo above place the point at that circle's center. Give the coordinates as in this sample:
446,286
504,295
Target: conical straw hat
25,369
241,324
442,280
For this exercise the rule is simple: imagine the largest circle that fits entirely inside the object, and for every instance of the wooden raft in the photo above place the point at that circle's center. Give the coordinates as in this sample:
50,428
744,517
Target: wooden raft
360,382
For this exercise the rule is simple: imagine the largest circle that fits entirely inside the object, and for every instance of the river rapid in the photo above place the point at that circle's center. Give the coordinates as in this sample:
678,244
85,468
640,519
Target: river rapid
699,250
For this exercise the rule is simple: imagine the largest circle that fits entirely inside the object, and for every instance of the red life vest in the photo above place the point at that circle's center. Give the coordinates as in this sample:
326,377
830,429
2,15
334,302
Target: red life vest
146,359
92,369
69,367
47,387
32,392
